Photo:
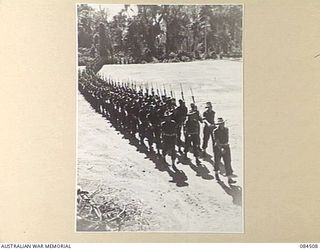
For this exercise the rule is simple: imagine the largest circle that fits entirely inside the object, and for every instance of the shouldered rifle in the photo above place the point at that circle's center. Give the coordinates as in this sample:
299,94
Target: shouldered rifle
192,96
181,92
158,93
152,91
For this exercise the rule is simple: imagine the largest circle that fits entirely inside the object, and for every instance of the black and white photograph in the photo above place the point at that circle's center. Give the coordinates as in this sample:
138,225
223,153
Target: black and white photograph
159,118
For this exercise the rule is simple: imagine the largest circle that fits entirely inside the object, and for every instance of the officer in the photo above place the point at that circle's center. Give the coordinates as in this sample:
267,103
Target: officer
169,137
222,150
192,129
208,119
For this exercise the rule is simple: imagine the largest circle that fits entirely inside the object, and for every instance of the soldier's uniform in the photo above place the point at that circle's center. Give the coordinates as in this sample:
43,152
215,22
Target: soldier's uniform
208,117
180,117
154,118
222,150
195,110
192,129
169,136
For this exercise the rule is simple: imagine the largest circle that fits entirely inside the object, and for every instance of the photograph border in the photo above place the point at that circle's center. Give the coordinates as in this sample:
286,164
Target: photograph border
242,124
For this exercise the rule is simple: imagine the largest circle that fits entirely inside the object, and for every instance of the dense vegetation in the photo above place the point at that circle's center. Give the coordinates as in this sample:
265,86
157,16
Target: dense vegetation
159,33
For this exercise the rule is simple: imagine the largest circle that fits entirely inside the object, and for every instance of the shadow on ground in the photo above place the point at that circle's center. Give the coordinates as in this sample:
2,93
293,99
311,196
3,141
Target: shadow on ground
178,176
234,191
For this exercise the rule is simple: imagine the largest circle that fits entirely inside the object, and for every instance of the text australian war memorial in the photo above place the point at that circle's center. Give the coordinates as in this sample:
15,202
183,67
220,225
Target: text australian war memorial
160,118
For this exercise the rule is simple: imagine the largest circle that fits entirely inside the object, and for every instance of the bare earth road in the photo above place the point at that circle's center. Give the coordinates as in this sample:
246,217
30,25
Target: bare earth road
191,200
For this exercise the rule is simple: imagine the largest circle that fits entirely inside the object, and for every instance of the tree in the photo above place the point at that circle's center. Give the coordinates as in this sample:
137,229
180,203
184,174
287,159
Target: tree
159,31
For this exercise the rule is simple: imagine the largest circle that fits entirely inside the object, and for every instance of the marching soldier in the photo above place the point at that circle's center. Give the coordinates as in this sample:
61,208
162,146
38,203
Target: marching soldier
157,118
222,150
180,117
208,118
169,137
192,129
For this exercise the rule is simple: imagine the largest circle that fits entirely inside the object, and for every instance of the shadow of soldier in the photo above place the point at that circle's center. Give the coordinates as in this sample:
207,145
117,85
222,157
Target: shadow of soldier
234,191
200,169
208,158
178,176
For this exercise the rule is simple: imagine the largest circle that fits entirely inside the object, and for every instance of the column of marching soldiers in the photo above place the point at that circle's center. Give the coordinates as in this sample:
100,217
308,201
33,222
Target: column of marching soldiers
155,118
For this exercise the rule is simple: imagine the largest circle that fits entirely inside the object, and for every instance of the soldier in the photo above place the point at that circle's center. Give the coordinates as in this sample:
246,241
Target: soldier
208,118
222,149
155,120
180,117
192,130
169,137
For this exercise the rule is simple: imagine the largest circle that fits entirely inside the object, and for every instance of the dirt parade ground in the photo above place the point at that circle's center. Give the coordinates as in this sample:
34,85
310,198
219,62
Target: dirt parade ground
142,191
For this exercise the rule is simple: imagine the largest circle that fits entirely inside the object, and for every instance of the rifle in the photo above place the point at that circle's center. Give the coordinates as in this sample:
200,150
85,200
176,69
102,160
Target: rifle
158,93
171,91
152,91
192,96
181,92
164,90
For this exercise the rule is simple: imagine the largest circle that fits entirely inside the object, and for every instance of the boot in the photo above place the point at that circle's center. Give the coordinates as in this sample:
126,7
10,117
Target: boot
230,181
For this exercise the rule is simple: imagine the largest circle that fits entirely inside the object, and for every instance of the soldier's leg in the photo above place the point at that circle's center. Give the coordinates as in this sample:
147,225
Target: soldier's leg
150,139
127,123
226,156
197,146
142,137
179,135
173,150
196,143
97,105
133,127
150,143
158,139
108,111
212,136
115,117
164,146
217,159
118,118
141,134
206,134
187,145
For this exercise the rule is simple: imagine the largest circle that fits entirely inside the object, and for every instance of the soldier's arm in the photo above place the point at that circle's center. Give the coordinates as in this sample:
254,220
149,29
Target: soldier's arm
204,119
